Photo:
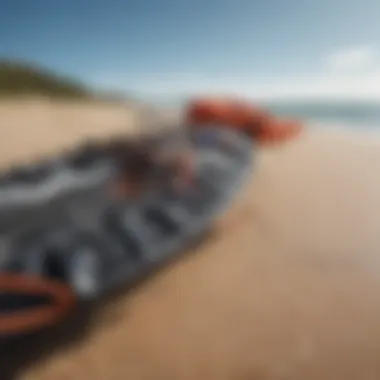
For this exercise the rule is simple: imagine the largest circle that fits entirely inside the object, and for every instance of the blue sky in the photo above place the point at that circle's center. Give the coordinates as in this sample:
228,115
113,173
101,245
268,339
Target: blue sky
262,48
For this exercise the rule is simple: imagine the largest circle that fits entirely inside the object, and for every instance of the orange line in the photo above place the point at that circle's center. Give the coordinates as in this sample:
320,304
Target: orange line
22,322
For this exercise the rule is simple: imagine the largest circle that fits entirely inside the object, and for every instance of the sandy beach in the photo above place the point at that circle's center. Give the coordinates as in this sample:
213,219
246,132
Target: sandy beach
38,127
286,288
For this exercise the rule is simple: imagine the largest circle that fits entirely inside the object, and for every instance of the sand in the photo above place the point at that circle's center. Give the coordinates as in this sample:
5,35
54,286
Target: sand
286,288
34,127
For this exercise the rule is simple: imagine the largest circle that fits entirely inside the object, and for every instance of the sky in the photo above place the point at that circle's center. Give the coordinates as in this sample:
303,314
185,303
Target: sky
267,49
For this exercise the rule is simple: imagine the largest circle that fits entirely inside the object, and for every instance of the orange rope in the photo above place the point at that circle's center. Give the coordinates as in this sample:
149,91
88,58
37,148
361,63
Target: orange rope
25,321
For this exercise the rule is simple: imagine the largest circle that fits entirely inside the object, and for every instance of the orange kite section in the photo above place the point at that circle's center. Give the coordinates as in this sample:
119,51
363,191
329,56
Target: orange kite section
244,116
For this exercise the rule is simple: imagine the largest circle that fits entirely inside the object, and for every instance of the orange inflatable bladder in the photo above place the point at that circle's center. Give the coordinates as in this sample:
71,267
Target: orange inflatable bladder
202,111
227,112
237,114
275,131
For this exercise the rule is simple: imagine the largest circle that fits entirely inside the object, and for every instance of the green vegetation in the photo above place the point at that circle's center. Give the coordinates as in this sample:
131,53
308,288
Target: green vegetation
25,79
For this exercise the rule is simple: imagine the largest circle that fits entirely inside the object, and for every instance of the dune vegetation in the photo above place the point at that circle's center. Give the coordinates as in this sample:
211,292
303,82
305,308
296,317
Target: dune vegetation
19,78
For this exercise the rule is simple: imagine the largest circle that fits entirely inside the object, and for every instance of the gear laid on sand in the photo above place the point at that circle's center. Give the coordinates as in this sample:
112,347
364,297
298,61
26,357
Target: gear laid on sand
65,239
259,125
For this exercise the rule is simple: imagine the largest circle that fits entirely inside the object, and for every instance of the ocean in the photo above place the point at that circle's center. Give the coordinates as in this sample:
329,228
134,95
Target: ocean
356,115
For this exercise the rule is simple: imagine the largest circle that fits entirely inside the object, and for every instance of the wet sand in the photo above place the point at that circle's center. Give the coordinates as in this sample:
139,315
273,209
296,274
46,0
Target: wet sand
286,288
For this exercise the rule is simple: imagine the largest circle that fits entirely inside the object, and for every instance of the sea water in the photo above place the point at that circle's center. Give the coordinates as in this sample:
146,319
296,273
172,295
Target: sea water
344,114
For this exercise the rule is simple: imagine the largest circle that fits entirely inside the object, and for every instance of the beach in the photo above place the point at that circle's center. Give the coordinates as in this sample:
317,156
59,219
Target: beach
34,127
287,286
